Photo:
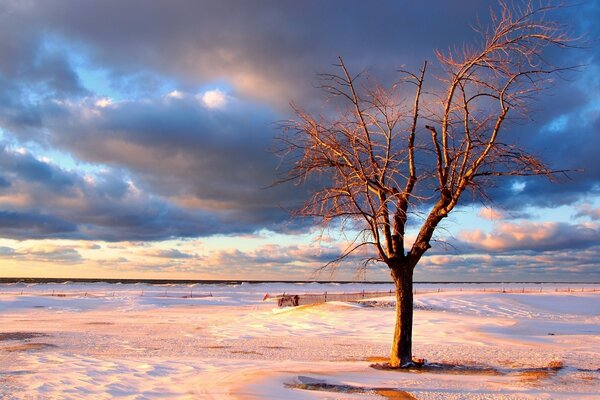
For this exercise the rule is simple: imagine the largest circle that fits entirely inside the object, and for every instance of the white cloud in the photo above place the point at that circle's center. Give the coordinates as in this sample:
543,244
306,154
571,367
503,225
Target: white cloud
518,187
490,214
175,94
103,102
214,98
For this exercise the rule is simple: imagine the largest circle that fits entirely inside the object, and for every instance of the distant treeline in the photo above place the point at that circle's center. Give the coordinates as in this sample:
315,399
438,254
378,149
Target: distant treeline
237,282
166,281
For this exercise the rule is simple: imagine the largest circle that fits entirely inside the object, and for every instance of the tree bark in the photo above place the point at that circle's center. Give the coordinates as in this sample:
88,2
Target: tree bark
401,355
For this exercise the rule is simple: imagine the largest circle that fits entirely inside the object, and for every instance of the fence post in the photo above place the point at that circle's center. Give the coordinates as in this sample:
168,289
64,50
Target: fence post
325,297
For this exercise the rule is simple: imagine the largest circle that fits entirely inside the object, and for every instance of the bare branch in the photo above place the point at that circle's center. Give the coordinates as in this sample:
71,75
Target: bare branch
374,162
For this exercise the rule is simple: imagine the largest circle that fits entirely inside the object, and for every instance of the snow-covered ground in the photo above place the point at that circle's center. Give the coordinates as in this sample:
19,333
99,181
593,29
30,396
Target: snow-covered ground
138,341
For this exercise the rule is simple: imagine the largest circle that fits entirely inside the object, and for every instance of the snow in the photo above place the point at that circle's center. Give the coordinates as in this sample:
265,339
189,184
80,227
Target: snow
142,341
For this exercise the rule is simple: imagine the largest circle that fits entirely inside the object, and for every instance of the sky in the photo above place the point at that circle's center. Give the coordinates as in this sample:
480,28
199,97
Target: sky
136,141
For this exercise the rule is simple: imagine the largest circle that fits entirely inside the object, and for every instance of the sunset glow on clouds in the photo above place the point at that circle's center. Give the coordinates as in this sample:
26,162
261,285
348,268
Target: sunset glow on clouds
145,150
214,98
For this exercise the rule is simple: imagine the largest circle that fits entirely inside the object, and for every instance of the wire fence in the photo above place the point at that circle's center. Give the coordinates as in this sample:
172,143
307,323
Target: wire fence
289,299
292,300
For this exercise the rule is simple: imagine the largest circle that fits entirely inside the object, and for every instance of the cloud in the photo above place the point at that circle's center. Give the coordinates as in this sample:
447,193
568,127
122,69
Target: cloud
491,214
587,210
177,165
175,94
56,255
44,253
532,236
6,251
276,256
265,50
32,225
577,265
45,201
170,253
214,98
103,102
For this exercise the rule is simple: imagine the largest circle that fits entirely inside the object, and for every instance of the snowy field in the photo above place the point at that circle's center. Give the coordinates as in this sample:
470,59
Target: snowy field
141,341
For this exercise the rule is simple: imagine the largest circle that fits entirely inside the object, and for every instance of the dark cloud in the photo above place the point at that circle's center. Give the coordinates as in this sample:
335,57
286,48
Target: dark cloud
265,48
588,211
561,265
516,251
32,225
4,183
530,236
49,202
46,201
26,167
176,168
178,147
171,254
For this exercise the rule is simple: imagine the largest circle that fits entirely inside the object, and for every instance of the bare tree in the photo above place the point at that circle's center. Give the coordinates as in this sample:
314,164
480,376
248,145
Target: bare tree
381,162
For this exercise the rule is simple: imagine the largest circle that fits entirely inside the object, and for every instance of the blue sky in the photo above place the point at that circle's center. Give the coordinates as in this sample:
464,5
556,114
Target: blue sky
136,138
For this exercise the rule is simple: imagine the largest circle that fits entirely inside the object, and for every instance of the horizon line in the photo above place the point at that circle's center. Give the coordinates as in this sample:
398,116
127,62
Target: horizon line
209,281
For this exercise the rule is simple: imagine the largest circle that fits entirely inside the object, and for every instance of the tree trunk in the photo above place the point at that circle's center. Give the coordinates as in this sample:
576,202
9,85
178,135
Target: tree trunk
401,355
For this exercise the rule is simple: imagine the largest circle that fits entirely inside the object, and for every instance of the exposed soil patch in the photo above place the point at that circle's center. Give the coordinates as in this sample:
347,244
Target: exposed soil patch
20,335
529,375
307,383
377,359
450,369
246,352
536,375
28,347
394,394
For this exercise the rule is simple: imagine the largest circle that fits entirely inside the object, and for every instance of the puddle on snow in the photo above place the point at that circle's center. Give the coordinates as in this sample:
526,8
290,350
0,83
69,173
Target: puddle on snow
28,347
20,335
308,383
